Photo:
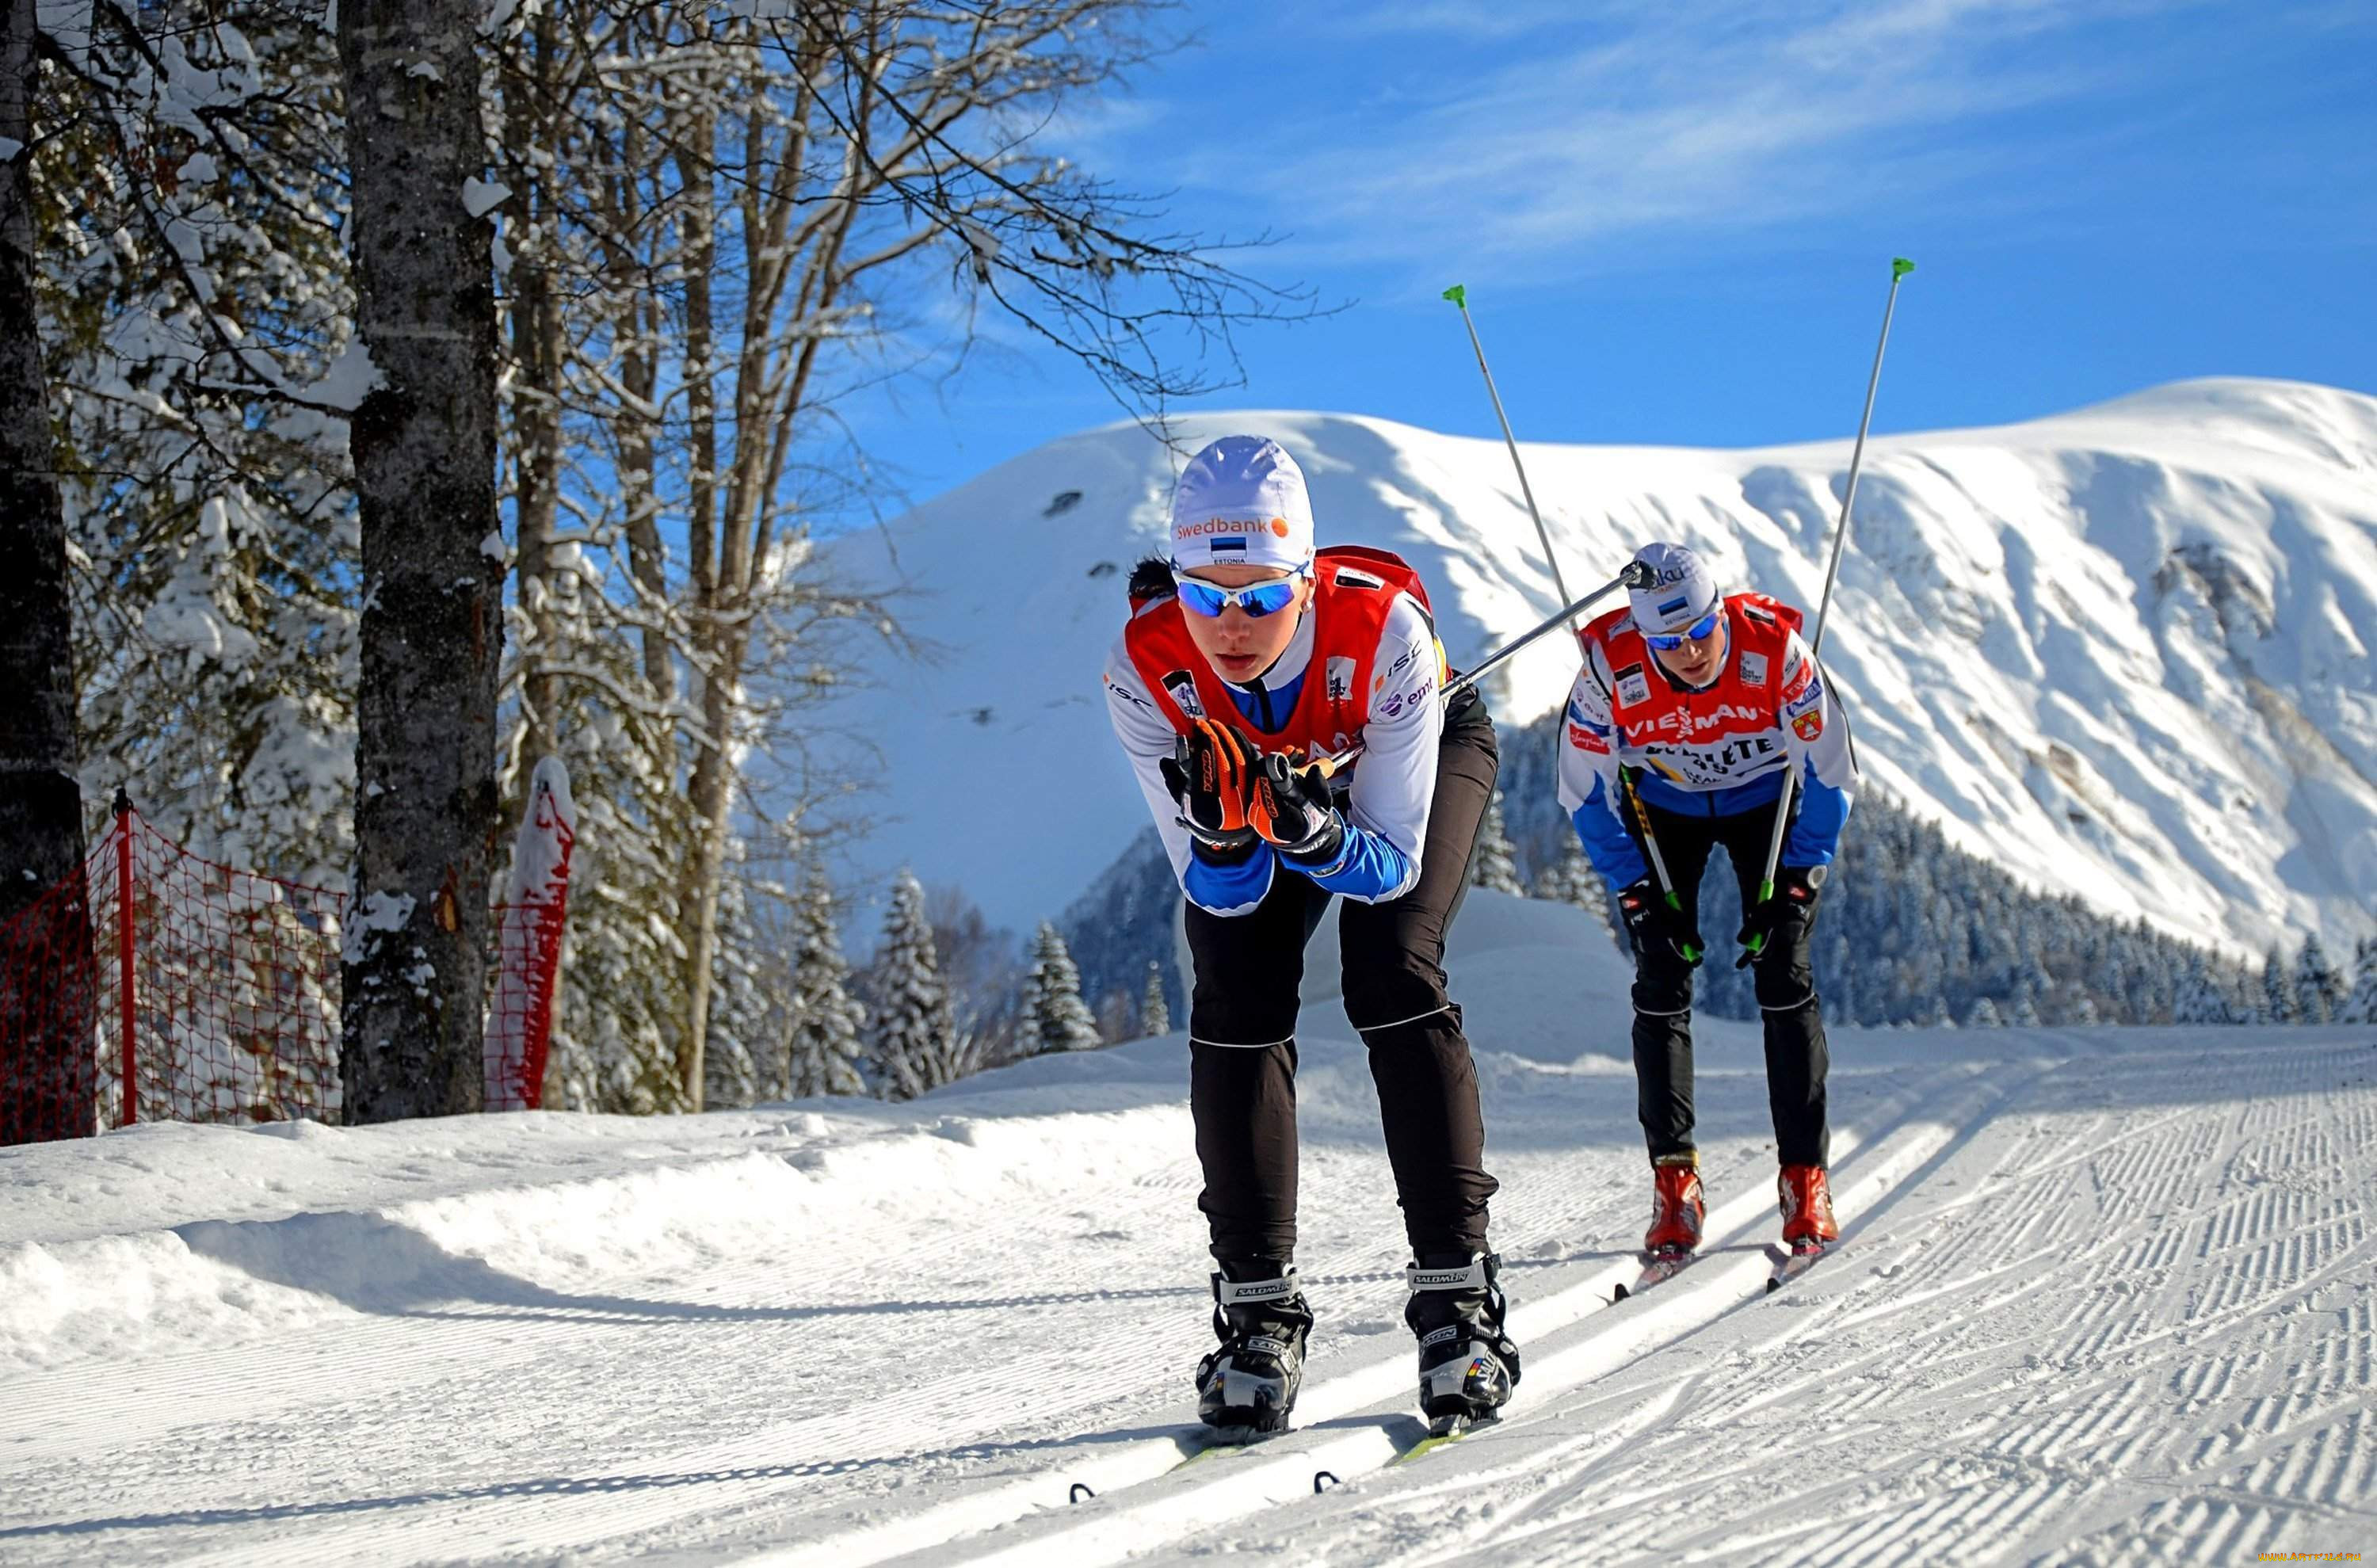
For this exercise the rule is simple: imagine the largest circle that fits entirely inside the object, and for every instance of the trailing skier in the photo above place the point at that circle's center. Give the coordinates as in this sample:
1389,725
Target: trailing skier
1248,657
1691,709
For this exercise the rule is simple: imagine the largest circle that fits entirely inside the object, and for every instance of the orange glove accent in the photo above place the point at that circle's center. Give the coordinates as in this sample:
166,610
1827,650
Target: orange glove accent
1227,770
1291,807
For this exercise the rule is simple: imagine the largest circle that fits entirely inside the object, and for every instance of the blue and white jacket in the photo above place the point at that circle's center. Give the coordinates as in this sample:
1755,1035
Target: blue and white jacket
1392,782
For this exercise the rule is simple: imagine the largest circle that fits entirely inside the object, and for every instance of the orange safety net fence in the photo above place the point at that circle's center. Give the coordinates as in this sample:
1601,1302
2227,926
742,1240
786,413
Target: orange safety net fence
156,985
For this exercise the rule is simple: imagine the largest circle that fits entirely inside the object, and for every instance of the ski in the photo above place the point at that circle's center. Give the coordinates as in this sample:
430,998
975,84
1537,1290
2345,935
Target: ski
1215,1440
1443,1430
1658,1266
1790,1265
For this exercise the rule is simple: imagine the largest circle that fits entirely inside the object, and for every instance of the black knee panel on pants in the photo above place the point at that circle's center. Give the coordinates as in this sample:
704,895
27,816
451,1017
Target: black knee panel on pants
1380,994
1783,978
1662,985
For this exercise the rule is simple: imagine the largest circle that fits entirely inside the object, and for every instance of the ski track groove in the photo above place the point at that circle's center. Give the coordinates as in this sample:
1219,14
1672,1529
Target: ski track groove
1894,1111
1876,1153
2251,1237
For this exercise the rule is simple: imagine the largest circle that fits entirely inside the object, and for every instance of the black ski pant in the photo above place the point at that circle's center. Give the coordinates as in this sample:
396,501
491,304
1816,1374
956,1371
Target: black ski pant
1785,982
1242,1034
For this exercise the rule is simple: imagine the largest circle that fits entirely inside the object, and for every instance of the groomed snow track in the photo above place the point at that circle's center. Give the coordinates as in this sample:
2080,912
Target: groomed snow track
2101,1298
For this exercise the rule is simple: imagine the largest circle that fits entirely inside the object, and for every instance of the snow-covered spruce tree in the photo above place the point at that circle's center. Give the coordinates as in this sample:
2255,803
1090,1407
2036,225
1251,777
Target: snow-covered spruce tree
2319,990
1984,1015
1055,1017
912,1043
2200,1001
822,1055
1155,1014
2277,995
1497,863
2360,1004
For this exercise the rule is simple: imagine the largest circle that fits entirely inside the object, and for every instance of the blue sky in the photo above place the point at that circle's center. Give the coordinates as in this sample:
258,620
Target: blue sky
1675,220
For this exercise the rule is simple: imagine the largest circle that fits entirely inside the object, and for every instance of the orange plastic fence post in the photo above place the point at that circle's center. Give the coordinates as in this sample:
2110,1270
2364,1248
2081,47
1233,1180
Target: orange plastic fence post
123,953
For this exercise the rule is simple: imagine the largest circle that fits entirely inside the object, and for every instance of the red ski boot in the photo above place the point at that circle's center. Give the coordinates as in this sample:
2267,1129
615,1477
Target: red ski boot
1807,1197
1676,1212
1676,1205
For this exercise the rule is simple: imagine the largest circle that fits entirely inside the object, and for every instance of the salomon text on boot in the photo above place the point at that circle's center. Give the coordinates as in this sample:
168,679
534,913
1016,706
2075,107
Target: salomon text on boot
1467,1363
1248,1383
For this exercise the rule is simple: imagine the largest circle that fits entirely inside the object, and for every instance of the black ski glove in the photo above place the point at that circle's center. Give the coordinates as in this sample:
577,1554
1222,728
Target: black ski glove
1783,917
1655,925
1209,774
1292,808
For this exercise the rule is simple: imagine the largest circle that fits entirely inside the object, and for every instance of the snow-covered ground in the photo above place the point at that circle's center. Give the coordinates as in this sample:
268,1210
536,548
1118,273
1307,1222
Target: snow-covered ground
2105,1296
2124,652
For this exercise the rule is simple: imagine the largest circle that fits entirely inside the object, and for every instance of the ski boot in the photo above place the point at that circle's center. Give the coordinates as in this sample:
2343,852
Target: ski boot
1807,1201
1467,1364
1248,1383
1677,1207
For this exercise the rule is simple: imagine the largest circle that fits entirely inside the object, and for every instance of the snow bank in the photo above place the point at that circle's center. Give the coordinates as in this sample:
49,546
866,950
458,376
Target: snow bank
164,1238
520,1210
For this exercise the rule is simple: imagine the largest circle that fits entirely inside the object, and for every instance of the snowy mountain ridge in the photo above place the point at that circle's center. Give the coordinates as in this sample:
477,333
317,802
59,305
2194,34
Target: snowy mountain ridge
2122,652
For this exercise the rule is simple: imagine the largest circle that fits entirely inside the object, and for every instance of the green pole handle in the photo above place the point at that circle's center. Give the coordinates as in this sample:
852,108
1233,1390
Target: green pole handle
1757,943
1691,953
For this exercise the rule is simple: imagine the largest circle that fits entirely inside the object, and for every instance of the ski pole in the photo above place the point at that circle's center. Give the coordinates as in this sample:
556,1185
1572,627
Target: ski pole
1658,861
1899,268
1459,296
1636,575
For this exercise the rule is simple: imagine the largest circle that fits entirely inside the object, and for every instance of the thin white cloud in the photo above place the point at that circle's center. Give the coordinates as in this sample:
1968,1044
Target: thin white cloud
1628,119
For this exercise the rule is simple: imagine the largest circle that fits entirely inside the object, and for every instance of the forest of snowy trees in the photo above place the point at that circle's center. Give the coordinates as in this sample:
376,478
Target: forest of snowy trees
434,388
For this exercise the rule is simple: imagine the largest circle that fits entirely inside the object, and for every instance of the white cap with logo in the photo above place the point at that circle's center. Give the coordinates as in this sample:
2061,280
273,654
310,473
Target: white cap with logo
1681,589
1241,502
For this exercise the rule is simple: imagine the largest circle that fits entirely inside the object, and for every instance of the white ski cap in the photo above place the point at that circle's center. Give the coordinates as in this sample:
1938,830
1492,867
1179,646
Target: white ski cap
1681,589
1241,502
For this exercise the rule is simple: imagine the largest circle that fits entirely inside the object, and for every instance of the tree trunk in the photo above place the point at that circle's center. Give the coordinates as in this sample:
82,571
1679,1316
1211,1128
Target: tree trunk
711,767
45,1008
536,387
425,457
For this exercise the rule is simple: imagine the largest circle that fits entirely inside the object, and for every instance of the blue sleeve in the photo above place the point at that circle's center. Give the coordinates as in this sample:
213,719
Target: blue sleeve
1229,890
1606,843
1366,868
1815,834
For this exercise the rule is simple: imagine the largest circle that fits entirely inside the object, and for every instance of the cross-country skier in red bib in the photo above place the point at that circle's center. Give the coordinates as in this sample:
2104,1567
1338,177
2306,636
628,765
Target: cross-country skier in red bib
1245,656
1691,708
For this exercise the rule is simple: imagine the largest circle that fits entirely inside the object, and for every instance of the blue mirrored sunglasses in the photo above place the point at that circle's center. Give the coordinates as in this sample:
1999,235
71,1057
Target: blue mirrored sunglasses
1255,598
1704,626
